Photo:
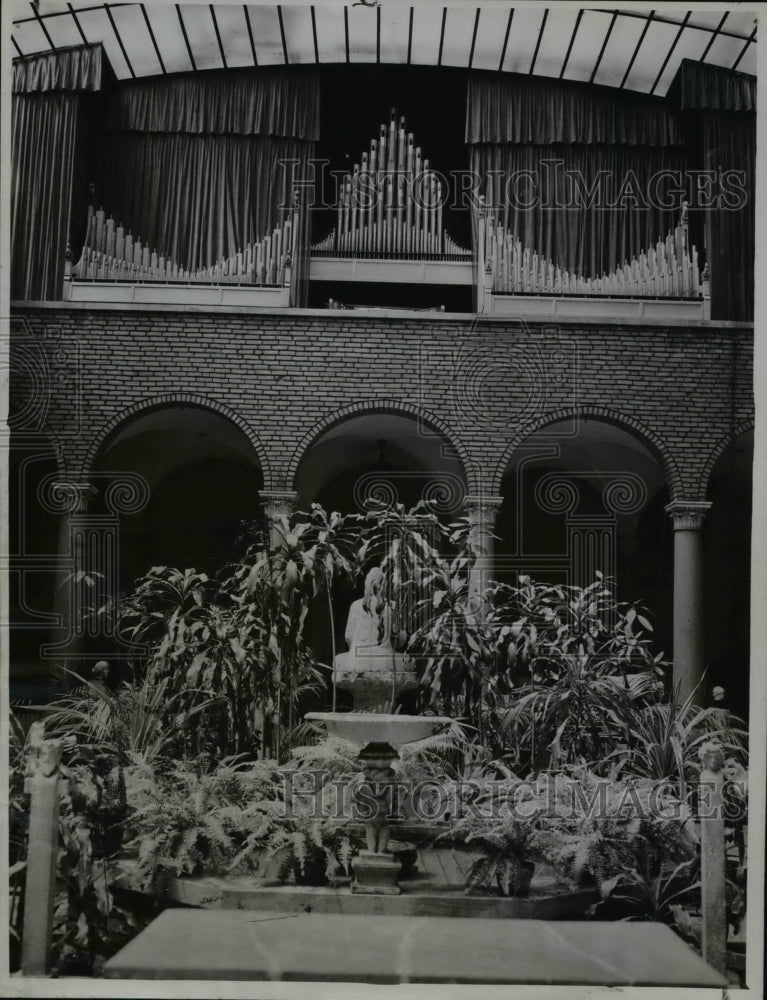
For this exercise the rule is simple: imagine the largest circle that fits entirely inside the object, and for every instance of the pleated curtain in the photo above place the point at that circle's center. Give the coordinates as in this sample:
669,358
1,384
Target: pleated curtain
719,109
200,166
197,198
48,127
571,171
729,142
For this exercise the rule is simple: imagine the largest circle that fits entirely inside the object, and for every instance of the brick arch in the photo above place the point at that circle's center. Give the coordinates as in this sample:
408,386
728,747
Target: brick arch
656,445
722,444
169,400
365,407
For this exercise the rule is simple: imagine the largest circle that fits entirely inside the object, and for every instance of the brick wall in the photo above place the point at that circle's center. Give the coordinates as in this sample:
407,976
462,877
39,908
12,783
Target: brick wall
683,388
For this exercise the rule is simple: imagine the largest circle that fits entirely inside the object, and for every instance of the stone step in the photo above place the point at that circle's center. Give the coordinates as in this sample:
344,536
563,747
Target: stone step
419,897
333,948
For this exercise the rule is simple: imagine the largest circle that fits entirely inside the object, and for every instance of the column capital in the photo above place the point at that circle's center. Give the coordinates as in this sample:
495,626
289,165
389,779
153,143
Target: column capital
687,515
61,496
278,496
476,503
278,503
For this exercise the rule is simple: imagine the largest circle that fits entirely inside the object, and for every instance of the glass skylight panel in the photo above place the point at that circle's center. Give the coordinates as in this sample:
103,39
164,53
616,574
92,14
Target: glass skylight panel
557,33
725,51
363,32
44,8
427,28
691,45
132,28
522,39
459,30
167,33
673,16
299,36
395,22
233,29
740,23
95,25
587,44
706,18
620,47
748,63
63,30
491,32
29,37
655,47
267,37
198,22
331,38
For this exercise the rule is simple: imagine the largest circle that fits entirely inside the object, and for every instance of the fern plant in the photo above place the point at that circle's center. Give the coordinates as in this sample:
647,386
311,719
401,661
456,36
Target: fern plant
590,828
504,866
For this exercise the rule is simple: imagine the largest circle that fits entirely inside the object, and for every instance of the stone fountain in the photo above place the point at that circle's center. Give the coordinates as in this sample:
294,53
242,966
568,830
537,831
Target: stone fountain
375,673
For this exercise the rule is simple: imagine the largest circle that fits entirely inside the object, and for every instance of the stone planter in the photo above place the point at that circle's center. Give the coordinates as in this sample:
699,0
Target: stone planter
526,872
313,871
407,855
519,885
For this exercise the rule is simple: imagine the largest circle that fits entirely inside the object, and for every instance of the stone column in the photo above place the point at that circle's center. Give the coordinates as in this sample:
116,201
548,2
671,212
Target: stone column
689,652
277,504
70,501
482,511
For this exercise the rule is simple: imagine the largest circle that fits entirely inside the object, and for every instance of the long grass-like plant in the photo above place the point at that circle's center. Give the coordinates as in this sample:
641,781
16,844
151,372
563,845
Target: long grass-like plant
664,740
139,722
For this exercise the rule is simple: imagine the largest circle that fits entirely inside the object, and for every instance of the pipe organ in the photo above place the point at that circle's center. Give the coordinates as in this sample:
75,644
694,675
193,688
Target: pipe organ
390,229
390,204
111,254
667,270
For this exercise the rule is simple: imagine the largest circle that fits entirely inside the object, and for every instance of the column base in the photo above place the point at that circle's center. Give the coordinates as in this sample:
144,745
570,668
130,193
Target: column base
376,874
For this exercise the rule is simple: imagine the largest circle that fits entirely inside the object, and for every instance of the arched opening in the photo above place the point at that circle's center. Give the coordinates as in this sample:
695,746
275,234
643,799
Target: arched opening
726,569
383,455
584,495
390,456
203,480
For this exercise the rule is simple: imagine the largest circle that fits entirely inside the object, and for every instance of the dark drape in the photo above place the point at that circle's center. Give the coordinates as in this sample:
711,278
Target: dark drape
44,136
75,69
201,165
719,106
729,148
240,102
699,87
537,112
588,208
574,172
49,121
198,198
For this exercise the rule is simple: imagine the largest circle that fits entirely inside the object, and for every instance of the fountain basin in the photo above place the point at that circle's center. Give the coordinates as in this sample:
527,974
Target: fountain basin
370,727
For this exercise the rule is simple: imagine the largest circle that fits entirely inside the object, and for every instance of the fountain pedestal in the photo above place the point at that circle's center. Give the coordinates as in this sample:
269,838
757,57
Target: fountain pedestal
376,869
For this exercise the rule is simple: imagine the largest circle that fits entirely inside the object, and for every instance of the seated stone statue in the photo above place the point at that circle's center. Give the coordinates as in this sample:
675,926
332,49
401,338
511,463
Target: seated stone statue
368,668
